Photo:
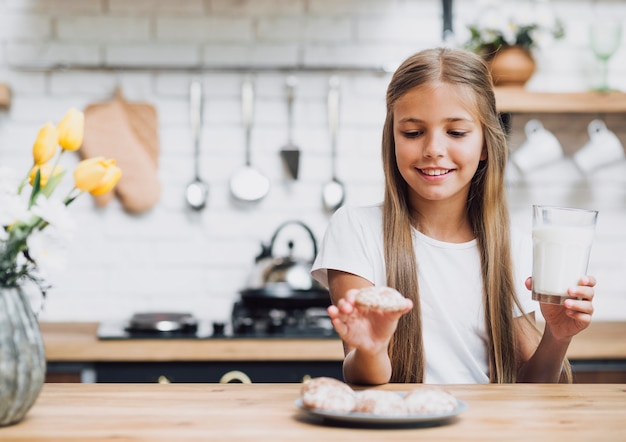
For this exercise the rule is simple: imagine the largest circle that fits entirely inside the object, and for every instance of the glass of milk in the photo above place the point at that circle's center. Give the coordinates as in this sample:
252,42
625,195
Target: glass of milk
562,239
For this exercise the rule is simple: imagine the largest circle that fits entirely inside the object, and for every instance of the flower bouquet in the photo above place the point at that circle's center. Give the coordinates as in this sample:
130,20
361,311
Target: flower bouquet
34,227
502,24
505,33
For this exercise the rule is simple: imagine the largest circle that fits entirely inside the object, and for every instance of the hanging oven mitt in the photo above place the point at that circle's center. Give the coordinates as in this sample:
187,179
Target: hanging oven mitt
127,132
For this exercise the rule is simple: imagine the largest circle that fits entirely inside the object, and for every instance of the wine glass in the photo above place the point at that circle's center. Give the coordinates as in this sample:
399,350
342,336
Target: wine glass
604,38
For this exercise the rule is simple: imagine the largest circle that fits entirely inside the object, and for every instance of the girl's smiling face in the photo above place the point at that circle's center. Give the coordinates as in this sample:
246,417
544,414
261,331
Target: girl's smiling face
439,142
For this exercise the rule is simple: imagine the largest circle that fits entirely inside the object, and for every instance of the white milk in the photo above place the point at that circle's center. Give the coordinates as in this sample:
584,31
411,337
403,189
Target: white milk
560,258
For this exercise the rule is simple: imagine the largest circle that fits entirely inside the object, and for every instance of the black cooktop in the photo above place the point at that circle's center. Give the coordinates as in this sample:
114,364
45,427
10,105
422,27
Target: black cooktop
312,323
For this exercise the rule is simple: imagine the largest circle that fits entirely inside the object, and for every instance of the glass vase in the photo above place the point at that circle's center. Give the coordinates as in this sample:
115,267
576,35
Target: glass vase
22,356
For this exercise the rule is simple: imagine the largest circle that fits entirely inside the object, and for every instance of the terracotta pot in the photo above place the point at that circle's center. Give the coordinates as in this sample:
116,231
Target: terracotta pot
512,66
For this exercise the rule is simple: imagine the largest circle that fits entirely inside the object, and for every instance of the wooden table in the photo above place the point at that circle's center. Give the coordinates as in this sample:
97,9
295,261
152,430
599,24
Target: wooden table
247,412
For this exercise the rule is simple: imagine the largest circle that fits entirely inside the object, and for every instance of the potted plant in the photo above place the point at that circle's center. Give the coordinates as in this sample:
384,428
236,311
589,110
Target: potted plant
506,34
34,228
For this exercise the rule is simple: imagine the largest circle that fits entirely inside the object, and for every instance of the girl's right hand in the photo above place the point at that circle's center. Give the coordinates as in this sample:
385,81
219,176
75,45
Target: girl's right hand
366,329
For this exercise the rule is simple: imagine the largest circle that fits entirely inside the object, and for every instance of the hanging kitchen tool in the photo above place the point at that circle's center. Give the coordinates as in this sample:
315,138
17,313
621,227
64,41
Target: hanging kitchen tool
290,153
197,191
5,96
127,131
247,183
333,192
284,282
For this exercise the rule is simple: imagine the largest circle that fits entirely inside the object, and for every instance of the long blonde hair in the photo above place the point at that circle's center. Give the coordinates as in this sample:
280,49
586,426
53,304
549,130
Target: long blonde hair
486,209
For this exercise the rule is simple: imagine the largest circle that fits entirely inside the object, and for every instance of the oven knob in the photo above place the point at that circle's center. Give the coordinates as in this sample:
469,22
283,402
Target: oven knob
276,326
245,326
218,328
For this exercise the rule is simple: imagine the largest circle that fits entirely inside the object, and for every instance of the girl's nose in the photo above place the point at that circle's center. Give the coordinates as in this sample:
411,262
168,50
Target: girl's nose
434,146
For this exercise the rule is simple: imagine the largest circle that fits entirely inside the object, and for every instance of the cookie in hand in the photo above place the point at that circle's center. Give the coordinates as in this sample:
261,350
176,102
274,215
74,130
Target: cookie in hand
381,298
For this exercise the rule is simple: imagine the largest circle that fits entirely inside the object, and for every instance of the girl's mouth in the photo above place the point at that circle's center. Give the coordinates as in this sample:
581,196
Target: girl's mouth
435,172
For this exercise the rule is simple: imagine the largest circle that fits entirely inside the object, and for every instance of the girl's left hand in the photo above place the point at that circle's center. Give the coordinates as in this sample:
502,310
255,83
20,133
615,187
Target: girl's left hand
574,315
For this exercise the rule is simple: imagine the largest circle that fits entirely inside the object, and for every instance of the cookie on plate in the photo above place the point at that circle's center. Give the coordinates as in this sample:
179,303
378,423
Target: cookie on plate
381,403
329,394
429,400
382,298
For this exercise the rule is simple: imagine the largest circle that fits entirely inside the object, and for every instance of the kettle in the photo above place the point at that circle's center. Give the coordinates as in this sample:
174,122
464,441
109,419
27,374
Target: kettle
288,270
287,278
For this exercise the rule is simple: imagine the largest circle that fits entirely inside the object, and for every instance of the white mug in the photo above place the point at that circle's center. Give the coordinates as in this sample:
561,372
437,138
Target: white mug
603,148
540,148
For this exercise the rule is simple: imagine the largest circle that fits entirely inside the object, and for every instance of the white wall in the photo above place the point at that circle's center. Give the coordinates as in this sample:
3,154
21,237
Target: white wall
170,258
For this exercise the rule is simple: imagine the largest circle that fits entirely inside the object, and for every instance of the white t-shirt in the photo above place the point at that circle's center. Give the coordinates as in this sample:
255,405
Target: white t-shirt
450,283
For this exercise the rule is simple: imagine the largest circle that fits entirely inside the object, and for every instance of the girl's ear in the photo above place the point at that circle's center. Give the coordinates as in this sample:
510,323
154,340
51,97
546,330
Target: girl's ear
483,154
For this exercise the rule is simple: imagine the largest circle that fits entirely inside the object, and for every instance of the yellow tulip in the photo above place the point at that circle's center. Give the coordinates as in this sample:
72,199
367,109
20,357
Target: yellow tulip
88,173
96,175
46,173
46,144
110,179
71,130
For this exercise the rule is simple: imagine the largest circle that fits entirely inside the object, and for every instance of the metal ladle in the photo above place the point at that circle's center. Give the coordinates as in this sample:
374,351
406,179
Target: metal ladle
248,184
333,192
198,190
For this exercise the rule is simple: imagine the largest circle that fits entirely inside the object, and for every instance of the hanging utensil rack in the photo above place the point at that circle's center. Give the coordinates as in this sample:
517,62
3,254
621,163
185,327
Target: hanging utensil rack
318,69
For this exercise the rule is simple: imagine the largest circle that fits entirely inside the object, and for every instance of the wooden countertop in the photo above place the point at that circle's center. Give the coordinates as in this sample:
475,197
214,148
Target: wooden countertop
184,412
67,342
78,342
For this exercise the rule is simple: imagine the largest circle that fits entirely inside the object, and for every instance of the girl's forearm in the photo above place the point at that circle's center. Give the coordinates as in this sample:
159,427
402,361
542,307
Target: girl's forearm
546,364
368,369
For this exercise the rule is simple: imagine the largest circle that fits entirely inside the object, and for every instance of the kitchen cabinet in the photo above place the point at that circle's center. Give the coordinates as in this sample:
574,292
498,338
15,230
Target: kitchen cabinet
599,371
70,372
213,372
74,353
191,371
583,371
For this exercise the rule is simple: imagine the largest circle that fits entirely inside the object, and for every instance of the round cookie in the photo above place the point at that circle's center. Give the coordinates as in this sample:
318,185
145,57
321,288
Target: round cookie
329,394
380,402
381,298
429,400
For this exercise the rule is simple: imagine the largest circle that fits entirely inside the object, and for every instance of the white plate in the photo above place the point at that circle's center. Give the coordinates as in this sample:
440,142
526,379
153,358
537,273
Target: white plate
356,418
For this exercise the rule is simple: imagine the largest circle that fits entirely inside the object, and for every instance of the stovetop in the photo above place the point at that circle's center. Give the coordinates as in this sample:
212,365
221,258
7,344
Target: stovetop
312,323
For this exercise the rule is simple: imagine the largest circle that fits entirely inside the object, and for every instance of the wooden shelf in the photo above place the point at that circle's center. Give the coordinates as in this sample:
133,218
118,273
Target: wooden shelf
519,100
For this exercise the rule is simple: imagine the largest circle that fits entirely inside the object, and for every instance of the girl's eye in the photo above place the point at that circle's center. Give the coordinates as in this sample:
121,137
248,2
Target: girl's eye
413,134
457,134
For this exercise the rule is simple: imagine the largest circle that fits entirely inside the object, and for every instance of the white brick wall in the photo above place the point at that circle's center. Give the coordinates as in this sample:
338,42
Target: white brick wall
170,258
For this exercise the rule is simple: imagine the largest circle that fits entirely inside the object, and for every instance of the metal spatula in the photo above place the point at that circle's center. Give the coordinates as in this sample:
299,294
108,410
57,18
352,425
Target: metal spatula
290,153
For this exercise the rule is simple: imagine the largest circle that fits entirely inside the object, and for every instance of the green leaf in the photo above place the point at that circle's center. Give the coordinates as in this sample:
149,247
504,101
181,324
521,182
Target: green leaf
36,189
70,199
52,184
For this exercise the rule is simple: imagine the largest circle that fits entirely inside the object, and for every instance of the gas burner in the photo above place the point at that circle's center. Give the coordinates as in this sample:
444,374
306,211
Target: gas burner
162,322
245,323
274,322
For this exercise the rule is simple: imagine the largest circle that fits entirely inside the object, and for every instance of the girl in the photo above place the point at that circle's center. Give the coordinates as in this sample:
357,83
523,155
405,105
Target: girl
441,237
